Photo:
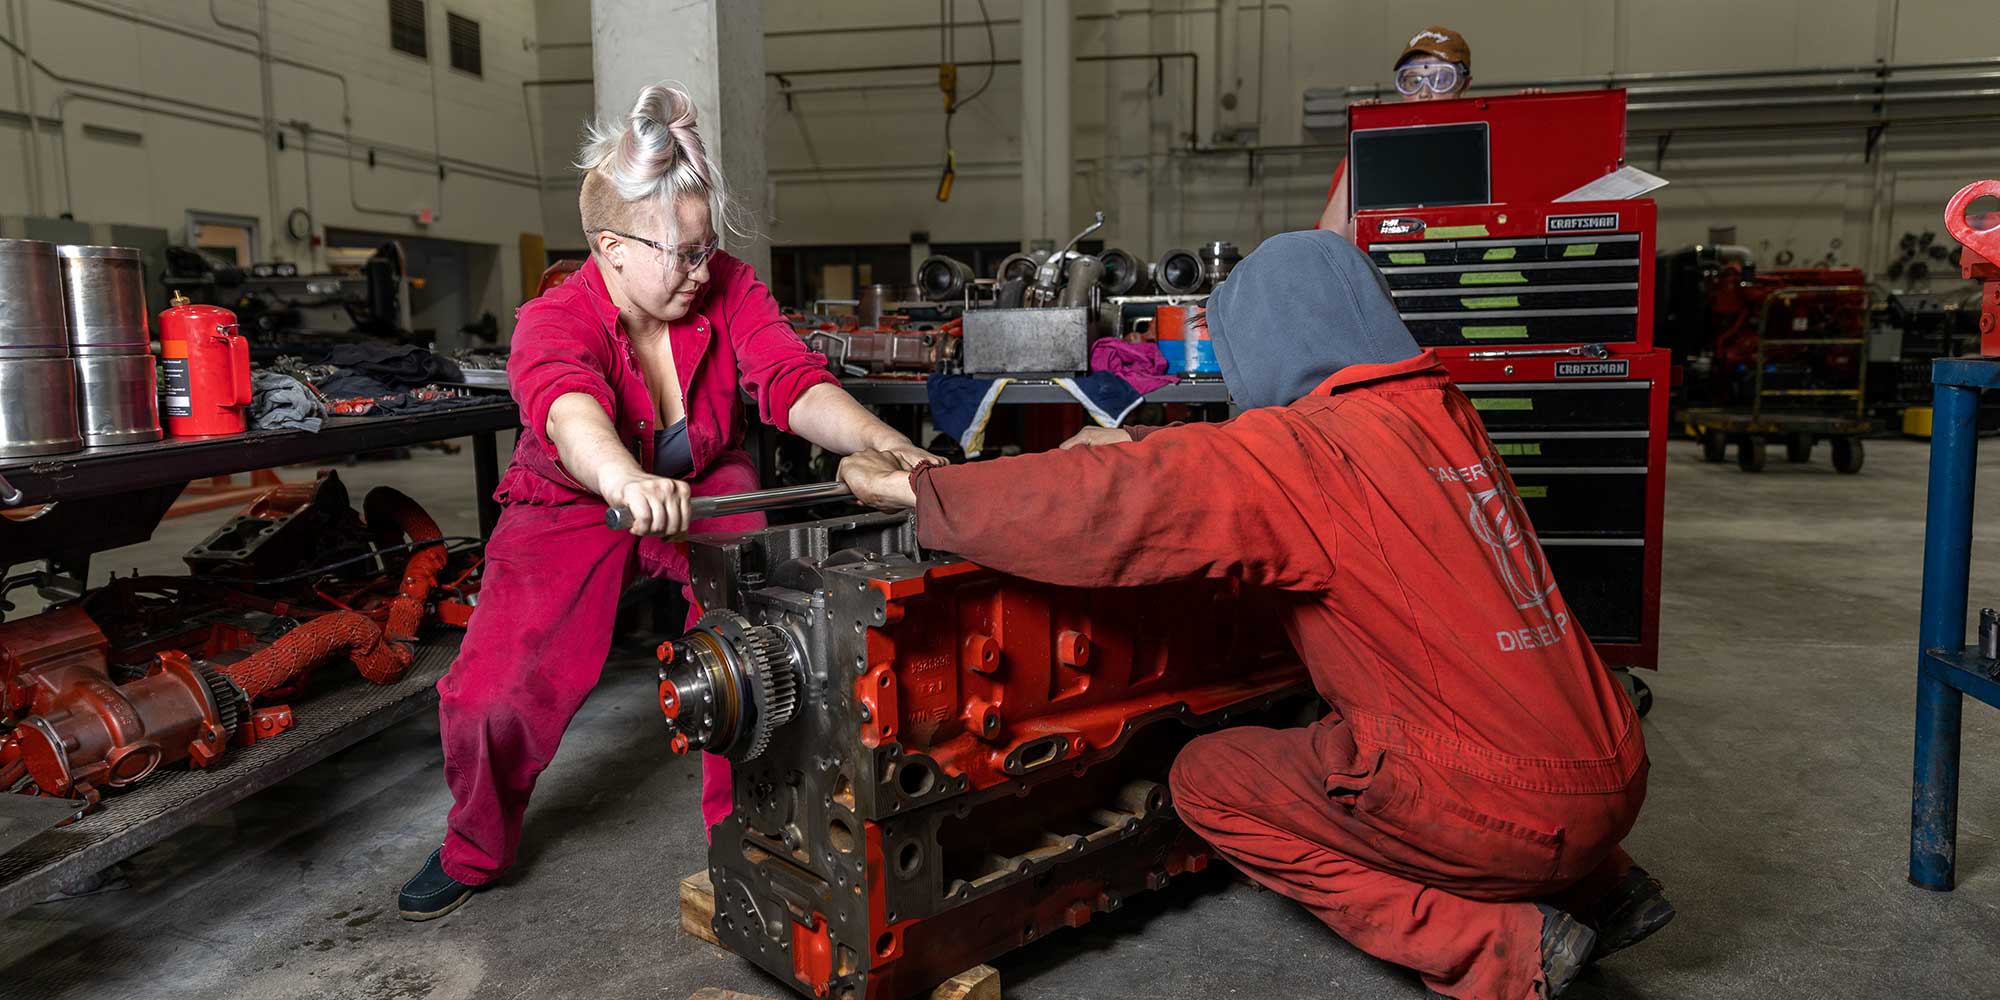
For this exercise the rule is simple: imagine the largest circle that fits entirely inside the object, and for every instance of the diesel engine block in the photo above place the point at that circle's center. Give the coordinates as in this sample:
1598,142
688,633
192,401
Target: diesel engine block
935,763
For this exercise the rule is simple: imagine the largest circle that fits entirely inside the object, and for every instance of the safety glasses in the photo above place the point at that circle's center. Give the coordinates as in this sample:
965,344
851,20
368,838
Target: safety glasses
1440,78
684,256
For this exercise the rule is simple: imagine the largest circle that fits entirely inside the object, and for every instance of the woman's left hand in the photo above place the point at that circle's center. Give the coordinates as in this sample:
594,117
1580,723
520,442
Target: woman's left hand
880,479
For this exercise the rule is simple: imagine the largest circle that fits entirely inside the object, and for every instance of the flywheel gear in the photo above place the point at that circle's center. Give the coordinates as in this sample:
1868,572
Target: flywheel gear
727,685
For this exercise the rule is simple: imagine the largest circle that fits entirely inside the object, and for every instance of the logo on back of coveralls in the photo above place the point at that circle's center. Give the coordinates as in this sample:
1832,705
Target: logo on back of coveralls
1498,520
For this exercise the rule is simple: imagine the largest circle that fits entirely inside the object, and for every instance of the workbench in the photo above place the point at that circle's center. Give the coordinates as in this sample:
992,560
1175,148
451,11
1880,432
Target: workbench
762,440
147,476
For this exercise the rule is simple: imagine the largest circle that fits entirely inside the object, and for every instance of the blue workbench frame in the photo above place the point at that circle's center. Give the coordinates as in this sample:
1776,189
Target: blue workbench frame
1947,670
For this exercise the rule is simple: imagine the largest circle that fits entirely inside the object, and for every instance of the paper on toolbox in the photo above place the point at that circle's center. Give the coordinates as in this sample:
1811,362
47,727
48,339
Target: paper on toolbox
1618,185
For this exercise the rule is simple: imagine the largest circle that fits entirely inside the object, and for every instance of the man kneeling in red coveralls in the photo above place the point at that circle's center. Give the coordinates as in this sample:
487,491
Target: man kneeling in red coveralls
1459,810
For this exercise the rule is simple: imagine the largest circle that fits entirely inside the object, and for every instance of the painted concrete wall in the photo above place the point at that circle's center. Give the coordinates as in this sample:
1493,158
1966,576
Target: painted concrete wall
184,134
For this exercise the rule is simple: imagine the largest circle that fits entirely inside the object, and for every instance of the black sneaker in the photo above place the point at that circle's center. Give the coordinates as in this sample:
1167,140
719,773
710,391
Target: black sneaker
430,893
1566,948
1629,913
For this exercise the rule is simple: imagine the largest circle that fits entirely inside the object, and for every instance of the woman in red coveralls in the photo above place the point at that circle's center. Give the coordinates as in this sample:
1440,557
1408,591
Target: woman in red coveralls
1460,808
627,378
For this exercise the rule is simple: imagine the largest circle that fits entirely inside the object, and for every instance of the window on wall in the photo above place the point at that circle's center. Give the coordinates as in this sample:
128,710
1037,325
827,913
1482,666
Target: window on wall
464,33
406,28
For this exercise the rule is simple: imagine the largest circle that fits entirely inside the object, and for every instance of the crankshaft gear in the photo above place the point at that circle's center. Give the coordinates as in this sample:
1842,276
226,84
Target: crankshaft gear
728,685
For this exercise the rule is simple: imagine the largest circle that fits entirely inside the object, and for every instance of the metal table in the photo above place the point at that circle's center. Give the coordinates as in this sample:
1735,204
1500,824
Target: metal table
174,461
762,439
1947,669
911,392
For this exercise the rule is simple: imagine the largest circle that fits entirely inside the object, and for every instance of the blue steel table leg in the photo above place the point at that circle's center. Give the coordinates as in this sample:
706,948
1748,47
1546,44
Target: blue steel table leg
1947,563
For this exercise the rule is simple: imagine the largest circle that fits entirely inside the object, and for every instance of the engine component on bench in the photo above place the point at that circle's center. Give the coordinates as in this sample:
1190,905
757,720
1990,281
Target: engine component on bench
105,735
1180,272
941,278
1217,260
289,526
1124,274
971,760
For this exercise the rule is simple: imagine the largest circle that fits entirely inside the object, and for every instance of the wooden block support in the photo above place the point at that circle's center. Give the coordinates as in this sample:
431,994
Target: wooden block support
698,909
981,982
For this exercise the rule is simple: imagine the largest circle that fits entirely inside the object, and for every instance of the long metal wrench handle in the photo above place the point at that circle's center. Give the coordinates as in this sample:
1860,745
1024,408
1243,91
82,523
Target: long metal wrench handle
1579,351
620,518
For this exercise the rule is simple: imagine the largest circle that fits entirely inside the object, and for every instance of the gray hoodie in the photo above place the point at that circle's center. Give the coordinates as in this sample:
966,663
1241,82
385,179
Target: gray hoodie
1299,308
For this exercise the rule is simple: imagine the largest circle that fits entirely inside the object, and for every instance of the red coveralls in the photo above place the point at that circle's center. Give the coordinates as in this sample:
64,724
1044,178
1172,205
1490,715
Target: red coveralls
1478,753
553,573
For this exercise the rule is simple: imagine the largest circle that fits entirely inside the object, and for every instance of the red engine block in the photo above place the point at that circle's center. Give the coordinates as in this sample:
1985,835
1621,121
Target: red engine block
937,763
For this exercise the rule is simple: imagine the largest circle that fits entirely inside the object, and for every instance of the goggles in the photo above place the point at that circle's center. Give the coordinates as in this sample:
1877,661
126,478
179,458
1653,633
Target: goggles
684,256
1440,78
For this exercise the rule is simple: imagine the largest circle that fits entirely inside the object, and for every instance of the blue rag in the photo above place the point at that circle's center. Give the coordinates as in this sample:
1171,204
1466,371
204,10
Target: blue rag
961,404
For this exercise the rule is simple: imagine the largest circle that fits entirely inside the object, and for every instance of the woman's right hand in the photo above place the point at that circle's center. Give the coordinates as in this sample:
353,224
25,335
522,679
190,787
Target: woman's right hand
659,505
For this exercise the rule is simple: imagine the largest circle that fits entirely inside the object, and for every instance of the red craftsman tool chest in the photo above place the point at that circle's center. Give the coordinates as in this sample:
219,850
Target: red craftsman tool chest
1542,312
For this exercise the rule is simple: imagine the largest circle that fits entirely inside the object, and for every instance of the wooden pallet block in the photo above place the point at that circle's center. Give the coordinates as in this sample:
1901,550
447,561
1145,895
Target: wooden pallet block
981,982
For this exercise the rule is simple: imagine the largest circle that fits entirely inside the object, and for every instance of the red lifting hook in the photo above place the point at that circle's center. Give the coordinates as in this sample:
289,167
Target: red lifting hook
1981,260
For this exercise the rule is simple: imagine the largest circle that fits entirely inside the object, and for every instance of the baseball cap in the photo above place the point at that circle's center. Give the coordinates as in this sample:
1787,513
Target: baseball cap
1439,41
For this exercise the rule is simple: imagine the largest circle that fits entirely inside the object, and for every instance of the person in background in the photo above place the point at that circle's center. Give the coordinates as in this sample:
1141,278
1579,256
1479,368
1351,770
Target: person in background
627,376
1459,808
1436,65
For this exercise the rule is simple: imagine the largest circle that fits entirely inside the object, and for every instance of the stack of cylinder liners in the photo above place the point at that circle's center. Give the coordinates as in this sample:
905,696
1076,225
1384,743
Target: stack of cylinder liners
104,299
38,414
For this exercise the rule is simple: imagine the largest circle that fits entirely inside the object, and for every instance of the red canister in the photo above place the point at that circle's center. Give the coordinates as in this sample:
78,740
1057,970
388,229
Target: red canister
204,371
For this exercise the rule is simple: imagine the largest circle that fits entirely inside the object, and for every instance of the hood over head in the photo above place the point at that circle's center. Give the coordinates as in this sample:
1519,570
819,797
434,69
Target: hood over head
1301,307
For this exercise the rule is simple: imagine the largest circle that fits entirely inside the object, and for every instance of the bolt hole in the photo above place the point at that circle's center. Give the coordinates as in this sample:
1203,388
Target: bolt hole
885,945
909,858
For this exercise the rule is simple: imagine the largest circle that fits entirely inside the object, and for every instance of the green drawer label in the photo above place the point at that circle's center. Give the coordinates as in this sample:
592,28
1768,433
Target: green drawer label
1404,257
1491,302
1518,448
1580,250
1493,332
1493,278
1454,232
1534,492
1503,403
1501,253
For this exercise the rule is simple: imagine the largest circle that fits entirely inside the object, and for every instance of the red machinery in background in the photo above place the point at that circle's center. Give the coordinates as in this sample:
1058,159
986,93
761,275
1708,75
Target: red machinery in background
1542,310
151,671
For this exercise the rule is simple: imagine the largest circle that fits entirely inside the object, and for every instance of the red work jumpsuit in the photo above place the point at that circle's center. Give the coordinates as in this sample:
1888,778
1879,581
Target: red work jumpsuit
553,573
1478,753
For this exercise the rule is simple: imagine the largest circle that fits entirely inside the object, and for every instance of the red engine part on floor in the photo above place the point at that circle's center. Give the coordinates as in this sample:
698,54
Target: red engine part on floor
1980,235
38,651
104,735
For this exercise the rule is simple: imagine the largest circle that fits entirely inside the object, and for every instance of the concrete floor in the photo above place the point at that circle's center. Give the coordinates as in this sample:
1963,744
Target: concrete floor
1778,818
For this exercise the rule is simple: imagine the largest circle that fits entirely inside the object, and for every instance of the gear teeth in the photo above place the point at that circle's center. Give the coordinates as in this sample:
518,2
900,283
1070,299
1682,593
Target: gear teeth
769,656
232,705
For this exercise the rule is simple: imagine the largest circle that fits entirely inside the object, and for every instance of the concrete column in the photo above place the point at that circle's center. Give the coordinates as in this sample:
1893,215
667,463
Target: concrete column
1047,169
714,49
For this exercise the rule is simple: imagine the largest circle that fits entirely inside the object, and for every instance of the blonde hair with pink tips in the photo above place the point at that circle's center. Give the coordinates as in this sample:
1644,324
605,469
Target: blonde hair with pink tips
637,169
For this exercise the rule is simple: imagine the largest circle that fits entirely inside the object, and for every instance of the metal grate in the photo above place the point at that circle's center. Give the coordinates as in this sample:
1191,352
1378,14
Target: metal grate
464,35
406,28
174,799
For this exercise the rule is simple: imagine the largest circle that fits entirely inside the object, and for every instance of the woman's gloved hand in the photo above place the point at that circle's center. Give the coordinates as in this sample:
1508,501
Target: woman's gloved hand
659,505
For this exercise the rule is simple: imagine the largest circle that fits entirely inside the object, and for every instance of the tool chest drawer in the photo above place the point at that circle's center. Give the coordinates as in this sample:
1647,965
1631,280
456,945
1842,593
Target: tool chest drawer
1501,327
1583,500
1543,449
1413,301
1604,582
1512,275
1511,406
1610,246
